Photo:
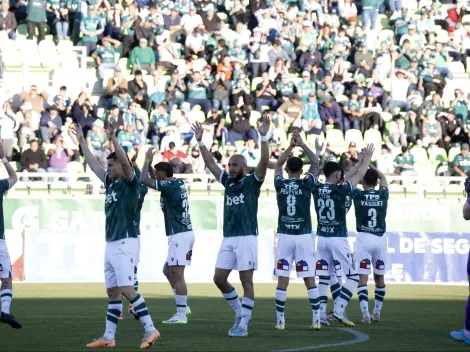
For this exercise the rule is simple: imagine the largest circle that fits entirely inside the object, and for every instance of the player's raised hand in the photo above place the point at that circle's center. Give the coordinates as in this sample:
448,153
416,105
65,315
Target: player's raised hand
2,151
111,127
467,186
298,138
77,131
318,146
149,155
136,155
263,128
198,131
368,151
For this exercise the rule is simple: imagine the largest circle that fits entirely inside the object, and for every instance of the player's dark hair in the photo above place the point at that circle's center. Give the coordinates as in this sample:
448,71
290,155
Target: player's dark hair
330,167
404,149
371,178
63,88
164,167
294,165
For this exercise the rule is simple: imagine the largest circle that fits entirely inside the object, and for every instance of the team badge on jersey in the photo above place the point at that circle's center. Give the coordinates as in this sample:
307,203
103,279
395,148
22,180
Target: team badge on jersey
301,266
380,265
365,264
337,265
321,265
283,264
189,255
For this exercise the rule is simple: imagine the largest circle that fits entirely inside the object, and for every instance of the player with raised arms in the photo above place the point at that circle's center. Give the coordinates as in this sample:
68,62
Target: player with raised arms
370,248
6,270
333,246
178,227
463,335
122,193
239,248
294,230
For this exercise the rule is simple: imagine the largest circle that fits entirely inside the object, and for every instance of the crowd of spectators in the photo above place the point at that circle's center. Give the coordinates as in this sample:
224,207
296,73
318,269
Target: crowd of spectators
312,65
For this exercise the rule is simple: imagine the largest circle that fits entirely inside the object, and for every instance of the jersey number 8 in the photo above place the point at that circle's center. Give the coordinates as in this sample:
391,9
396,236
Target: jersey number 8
291,205
185,207
329,204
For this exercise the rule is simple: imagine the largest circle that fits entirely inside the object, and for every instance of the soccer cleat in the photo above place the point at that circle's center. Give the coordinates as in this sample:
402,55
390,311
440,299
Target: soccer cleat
149,338
344,320
324,322
316,326
331,316
375,317
176,319
132,312
235,326
188,312
102,343
10,320
365,320
281,325
239,332
459,336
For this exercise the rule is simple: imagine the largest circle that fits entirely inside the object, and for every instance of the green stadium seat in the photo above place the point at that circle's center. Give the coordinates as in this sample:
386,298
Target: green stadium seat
420,155
255,82
453,152
436,155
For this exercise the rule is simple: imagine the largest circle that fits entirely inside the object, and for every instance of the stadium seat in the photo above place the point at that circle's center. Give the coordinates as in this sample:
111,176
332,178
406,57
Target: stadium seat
178,47
456,67
386,116
143,113
199,65
353,135
47,46
420,155
386,35
255,82
453,152
341,99
64,46
254,117
197,115
373,136
296,80
311,138
122,63
436,155
335,137
75,168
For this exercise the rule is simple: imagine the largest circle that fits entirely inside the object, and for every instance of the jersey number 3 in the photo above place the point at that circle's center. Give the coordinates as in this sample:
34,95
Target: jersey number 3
372,213
329,204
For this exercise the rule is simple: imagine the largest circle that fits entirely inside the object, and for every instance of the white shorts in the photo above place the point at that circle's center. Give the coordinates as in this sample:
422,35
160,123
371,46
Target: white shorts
298,248
180,249
238,253
119,262
371,250
334,254
5,264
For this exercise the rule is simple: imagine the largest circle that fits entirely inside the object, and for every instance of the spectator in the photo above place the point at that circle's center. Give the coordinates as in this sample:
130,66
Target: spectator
98,142
36,18
138,91
34,159
128,138
191,20
37,101
229,152
91,28
277,52
240,129
413,128
306,87
105,56
372,111
215,124
330,113
178,160
159,121
400,85
385,161
122,100
252,154
370,10
8,21
350,158
116,117
62,21
461,162
285,88
8,128
59,158
452,130
311,121
398,131
196,161
265,94
194,44
290,113
184,124
221,90
83,112
50,125
69,142
63,103
259,49
432,131
142,57
25,118
404,163
276,71
353,110
115,83
197,92
176,89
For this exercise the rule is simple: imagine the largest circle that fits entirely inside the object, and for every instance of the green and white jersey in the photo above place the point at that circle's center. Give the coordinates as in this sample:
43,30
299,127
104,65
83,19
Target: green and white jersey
143,190
284,90
175,206
91,24
371,210
462,162
241,205
304,89
330,201
106,53
293,202
4,186
120,207
66,102
97,139
36,11
354,105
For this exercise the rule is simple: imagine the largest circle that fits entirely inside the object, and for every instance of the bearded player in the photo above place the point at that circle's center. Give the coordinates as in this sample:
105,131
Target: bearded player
6,270
464,334
295,241
370,248
178,227
239,248
122,194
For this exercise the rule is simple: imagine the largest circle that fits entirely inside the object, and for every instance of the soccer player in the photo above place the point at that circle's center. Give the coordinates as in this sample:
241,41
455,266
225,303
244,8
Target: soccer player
370,248
178,227
295,241
464,334
332,245
6,271
122,192
239,248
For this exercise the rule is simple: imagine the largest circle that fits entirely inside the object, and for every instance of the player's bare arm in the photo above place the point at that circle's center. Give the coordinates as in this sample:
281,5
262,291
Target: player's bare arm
466,207
382,178
260,171
145,176
310,154
121,155
364,165
283,158
93,163
355,169
12,177
206,155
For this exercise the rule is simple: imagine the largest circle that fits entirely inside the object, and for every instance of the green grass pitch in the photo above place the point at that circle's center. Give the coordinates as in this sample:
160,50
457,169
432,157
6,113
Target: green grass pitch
64,317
